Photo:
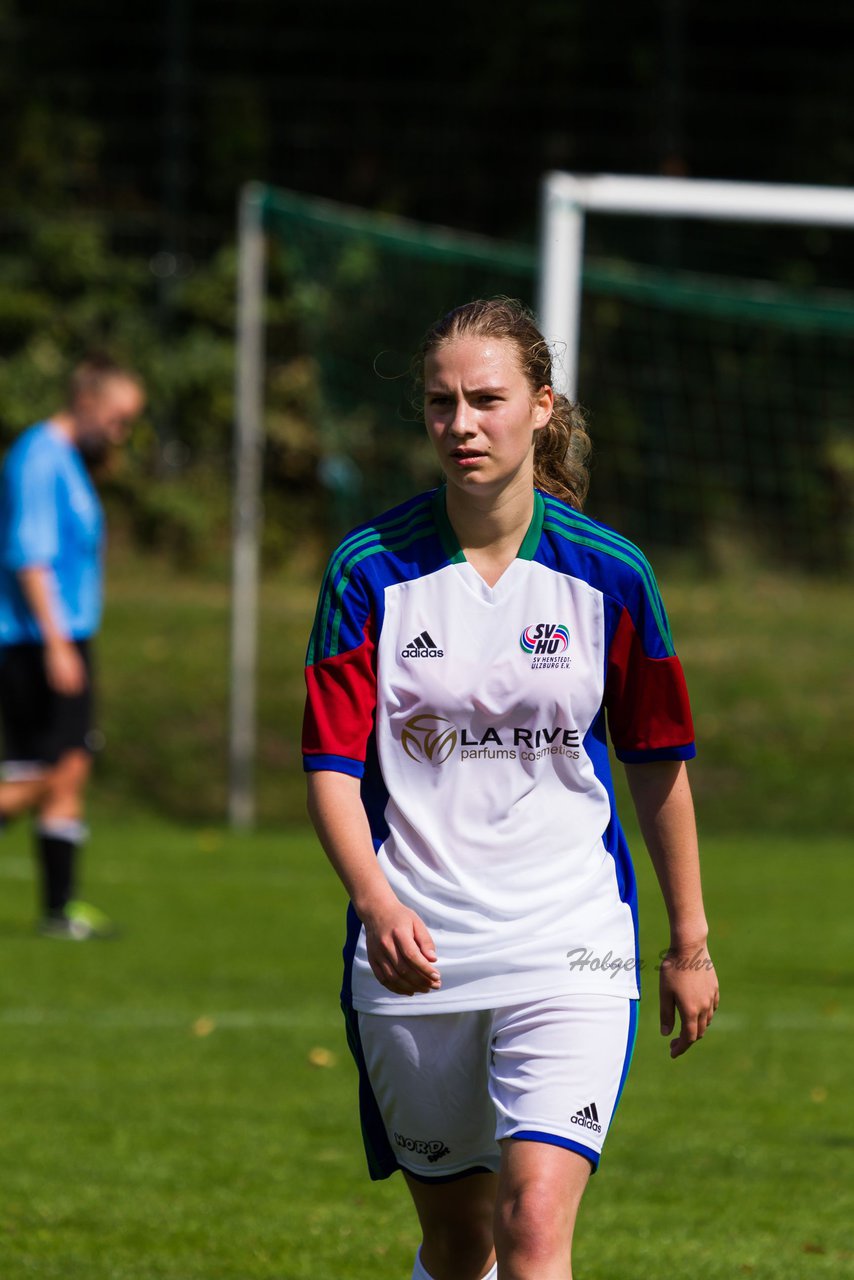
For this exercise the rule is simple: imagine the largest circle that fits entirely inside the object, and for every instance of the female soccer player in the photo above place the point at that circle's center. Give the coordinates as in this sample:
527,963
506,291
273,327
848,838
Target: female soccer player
471,649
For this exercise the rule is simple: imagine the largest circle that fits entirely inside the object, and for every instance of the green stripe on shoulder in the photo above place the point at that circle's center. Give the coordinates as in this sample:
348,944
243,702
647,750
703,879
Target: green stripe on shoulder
585,532
385,534
399,543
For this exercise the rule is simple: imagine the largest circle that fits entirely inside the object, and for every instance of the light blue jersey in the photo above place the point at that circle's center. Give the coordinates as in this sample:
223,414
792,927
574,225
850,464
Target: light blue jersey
50,517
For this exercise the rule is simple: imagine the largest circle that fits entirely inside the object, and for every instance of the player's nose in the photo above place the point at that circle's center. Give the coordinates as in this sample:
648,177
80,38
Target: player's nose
462,422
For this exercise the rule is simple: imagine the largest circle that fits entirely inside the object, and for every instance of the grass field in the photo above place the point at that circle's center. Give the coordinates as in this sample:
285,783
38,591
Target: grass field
179,1105
166,1113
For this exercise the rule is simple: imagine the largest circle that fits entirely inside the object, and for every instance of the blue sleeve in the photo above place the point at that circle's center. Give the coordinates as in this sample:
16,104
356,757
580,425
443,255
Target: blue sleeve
31,524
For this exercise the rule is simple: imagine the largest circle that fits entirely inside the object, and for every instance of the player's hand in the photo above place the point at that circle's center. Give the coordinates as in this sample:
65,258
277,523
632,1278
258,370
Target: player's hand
401,952
64,668
687,983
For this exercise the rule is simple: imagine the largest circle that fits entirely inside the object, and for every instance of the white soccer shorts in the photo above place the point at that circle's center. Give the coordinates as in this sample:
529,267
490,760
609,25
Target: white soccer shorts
448,1087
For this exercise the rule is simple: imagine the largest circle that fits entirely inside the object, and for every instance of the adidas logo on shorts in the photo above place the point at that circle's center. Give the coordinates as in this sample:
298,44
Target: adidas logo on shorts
423,646
587,1118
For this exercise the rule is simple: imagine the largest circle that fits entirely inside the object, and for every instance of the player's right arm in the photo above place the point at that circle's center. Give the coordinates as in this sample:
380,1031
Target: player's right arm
400,949
64,667
341,704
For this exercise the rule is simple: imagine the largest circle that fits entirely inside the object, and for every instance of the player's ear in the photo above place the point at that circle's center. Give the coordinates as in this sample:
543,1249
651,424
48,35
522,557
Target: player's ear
544,403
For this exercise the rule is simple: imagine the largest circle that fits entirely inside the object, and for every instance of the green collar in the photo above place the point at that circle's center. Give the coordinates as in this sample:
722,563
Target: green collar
449,540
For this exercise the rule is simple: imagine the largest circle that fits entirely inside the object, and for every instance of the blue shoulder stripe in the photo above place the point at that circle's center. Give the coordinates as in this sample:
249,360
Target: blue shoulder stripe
386,523
580,529
393,534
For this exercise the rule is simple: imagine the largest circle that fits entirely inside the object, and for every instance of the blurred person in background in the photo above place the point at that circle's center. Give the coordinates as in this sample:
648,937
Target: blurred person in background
51,543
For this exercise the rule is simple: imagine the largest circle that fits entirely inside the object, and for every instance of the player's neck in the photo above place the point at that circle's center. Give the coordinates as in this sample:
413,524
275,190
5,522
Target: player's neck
64,423
491,528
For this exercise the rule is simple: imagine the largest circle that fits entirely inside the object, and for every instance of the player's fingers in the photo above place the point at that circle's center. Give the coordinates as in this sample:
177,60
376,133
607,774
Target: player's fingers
412,961
423,939
388,976
711,1010
416,979
420,980
394,972
69,680
688,1034
79,676
58,681
667,1011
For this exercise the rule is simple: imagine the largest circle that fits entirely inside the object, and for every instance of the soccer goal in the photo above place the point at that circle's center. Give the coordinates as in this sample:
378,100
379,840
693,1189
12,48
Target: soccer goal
707,328
568,199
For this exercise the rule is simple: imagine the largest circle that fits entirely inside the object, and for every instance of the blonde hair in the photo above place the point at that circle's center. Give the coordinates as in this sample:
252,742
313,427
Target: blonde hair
562,447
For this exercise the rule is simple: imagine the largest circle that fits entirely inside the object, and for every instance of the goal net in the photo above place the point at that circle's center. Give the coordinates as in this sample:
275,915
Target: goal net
707,327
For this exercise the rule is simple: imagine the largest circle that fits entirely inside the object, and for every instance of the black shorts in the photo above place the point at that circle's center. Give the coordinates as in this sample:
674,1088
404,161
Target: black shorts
39,724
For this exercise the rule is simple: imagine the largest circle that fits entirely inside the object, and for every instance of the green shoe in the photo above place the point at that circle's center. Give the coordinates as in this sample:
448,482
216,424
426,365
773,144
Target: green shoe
80,922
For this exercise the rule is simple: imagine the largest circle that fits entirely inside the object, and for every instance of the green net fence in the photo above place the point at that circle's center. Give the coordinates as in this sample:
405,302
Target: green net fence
362,289
722,411
720,408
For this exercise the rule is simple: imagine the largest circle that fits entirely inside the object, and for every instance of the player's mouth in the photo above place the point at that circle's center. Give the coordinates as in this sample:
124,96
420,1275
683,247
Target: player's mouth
467,457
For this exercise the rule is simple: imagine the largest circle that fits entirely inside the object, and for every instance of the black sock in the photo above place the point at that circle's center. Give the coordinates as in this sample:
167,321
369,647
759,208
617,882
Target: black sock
57,858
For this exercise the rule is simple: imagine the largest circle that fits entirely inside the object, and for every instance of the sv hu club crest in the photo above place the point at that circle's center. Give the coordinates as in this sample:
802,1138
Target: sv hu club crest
429,737
545,638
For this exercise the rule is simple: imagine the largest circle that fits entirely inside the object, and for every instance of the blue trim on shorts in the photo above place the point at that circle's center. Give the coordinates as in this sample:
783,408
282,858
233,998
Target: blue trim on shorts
634,1006
531,1135
382,1162
555,1140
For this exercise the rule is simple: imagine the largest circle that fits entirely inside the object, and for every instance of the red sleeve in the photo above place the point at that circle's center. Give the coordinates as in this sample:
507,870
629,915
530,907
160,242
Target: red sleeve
649,715
339,709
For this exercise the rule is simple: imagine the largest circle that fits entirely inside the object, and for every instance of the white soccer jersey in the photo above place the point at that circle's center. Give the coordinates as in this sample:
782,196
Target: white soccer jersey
476,718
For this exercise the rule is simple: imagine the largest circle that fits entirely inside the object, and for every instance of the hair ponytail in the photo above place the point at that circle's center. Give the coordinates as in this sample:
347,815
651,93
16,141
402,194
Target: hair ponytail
562,453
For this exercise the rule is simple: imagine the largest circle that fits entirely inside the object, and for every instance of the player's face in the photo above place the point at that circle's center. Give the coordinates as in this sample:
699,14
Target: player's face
105,417
481,414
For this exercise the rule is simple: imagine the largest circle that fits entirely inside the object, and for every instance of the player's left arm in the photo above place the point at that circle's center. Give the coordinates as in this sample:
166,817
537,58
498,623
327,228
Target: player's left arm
688,982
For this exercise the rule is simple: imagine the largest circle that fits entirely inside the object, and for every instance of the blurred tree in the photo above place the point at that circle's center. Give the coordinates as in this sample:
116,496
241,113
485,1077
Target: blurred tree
127,134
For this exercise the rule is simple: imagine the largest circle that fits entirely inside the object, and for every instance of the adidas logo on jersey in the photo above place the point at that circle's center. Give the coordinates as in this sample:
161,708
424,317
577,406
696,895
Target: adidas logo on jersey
587,1118
423,646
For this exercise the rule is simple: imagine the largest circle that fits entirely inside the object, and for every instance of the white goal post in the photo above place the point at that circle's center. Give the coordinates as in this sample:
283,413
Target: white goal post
567,198
246,505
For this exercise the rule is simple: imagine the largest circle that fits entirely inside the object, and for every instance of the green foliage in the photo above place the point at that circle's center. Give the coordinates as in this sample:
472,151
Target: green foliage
172,516
69,284
48,153
69,292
